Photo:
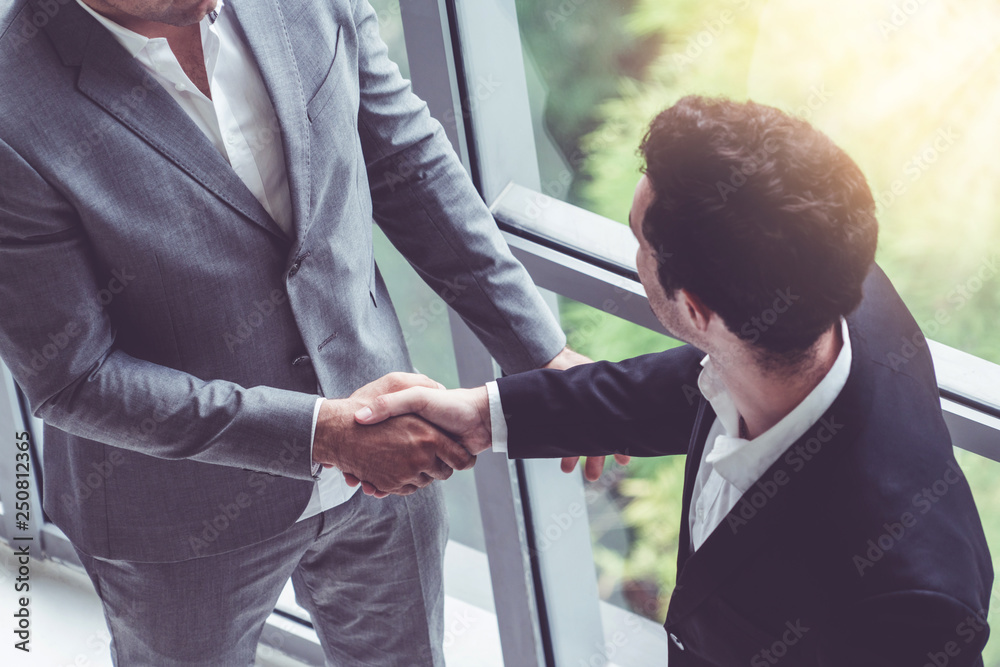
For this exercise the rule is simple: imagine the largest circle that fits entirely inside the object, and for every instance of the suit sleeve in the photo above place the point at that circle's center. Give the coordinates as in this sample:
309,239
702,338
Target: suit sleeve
906,628
644,406
426,204
59,344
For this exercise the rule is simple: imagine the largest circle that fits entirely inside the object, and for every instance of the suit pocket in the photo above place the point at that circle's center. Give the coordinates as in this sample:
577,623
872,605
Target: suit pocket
325,91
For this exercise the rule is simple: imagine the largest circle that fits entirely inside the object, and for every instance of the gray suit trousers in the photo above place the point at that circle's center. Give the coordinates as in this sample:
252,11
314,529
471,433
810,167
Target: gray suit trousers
369,572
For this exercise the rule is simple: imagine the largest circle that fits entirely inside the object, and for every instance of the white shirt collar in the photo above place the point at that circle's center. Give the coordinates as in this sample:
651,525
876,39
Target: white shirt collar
742,462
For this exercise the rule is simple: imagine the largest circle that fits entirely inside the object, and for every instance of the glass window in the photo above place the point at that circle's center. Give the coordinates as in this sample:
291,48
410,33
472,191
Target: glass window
908,89
634,510
390,26
471,632
981,473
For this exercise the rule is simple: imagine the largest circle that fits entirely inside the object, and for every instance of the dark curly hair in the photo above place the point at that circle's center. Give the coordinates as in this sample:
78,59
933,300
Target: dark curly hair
754,209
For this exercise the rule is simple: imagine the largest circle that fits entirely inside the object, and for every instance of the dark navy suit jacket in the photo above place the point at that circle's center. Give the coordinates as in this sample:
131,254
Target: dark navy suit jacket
861,546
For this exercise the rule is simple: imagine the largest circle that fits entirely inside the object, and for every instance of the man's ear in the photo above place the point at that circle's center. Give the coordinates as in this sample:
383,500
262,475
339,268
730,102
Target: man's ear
694,308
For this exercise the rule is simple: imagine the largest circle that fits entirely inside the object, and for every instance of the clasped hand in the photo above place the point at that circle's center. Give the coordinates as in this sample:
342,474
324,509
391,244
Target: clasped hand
461,430
397,455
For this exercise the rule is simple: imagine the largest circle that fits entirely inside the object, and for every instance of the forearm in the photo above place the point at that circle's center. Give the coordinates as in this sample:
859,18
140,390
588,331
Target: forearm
162,412
638,407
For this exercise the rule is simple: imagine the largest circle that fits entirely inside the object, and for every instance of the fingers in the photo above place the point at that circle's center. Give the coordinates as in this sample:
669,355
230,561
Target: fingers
398,381
593,468
392,405
454,455
393,382
351,479
440,470
370,490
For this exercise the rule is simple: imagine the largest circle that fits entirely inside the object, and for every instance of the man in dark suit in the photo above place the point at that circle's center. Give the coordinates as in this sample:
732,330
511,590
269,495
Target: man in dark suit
825,519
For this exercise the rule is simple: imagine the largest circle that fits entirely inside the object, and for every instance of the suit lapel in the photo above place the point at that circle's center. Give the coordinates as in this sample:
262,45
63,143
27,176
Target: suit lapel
263,25
696,447
117,83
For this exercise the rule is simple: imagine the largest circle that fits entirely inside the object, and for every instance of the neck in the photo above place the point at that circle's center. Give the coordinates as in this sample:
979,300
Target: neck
763,396
139,25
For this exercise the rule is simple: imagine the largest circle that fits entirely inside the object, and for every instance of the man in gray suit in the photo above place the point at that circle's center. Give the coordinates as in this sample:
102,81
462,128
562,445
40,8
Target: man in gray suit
186,270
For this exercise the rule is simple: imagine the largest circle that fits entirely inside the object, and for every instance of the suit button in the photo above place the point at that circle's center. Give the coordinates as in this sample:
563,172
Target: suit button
301,360
294,268
677,642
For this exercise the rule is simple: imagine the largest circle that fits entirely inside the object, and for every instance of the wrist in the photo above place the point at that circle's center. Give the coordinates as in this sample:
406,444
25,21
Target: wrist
335,416
480,400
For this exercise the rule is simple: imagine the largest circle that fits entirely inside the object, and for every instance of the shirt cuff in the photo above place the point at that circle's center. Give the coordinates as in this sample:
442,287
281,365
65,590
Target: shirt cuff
498,423
316,467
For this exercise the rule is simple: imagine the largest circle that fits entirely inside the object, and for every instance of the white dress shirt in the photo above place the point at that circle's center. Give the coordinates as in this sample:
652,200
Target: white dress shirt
239,120
730,465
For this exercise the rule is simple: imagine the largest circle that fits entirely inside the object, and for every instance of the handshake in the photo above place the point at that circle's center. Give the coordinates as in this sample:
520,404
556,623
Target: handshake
403,431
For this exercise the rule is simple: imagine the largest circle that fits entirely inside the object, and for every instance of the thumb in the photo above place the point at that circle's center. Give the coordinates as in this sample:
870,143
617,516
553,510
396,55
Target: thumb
392,405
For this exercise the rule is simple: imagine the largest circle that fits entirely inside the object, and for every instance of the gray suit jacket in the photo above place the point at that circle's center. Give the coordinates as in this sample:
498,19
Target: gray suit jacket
169,334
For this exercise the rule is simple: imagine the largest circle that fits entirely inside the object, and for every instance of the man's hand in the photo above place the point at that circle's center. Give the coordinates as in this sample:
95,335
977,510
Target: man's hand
594,466
567,359
399,456
462,413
